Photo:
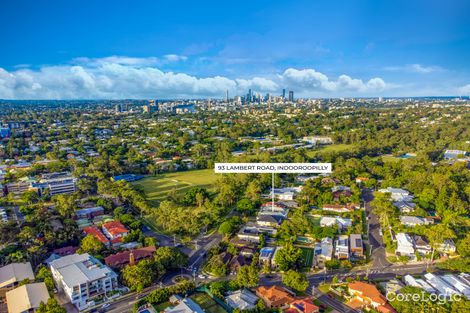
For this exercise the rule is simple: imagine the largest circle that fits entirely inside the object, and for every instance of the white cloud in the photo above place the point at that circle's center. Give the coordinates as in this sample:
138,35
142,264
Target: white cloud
465,90
126,77
311,80
175,57
414,68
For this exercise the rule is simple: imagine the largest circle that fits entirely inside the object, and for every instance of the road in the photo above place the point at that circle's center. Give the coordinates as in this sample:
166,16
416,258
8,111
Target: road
380,269
378,254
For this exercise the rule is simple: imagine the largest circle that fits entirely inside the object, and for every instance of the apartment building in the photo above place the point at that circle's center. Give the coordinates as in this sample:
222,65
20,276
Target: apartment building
82,278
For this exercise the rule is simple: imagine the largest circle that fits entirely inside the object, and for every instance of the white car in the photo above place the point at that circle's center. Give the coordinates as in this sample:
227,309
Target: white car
106,305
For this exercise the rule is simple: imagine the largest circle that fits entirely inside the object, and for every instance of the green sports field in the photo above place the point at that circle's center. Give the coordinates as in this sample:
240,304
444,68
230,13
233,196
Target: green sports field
159,187
331,148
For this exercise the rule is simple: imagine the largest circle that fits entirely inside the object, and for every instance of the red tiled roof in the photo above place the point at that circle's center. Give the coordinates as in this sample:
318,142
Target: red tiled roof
122,258
115,228
276,295
367,291
304,306
94,231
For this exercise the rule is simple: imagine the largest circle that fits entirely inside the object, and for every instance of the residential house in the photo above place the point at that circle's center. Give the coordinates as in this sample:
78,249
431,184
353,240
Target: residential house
393,286
26,298
95,232
405,245
340,208
115,231
422,245
448,246
303,306
398,194
454,154
127,257
242,300
236,262
341,191
367,295
82,278
323,251
342,223
342,247
184,305
249,233
266,255
89,213
269,220
356,245
13,274
411,221
275,297
405,206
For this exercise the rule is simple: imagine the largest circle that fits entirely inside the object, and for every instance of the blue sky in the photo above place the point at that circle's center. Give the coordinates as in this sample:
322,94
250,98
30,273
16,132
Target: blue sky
146,49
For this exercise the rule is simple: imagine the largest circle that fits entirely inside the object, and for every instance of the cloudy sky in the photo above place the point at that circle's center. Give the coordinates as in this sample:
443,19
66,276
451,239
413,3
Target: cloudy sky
84,49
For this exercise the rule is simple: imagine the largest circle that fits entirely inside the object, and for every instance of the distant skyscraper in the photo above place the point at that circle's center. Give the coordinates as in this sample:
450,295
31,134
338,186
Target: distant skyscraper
118,108
283,93
249,96
226,96
291,96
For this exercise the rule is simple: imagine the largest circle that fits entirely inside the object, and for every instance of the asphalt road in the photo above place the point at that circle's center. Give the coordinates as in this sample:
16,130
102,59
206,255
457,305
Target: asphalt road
380,269
378,255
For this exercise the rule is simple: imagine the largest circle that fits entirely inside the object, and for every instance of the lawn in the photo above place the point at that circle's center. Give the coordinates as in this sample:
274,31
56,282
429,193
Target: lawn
207,303
307,257
159,187
340,147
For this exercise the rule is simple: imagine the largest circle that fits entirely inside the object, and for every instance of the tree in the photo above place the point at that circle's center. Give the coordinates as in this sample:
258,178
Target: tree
91,244
253,191
295,280
288,257
246,206
247,276
30,197
45,275
170,258
52,306
141,275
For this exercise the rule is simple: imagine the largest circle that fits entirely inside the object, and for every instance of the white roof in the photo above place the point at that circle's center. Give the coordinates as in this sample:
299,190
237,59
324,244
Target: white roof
404,240
242,299
405,219
440,285
78,269
15,272
26,297
457,284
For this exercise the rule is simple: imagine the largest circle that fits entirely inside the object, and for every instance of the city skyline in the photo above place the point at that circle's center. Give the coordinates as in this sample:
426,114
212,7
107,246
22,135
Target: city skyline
92,50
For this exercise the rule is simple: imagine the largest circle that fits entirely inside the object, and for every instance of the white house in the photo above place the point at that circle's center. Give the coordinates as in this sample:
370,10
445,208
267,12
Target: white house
397,194
405,245
324,251
242,299
411,221
342,247
342,222
454,154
